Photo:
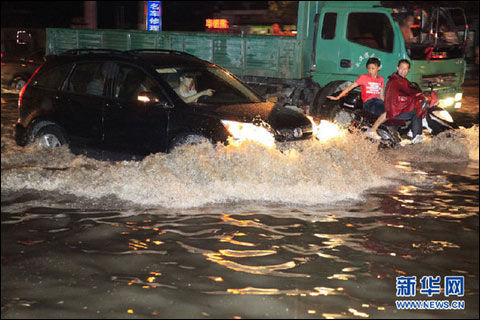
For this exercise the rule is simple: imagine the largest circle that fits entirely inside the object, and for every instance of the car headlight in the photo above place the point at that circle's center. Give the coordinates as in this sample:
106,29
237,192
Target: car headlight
443,115
243,131
458,96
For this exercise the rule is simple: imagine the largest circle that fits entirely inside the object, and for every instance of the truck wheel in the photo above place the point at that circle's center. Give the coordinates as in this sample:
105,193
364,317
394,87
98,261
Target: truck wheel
47,134
338,114
320,107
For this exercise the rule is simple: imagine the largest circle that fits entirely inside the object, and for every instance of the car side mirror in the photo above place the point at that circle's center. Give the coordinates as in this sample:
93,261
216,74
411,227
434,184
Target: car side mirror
151,98
147,97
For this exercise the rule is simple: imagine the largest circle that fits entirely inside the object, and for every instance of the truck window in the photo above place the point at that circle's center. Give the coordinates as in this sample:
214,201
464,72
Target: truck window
329,25
372,30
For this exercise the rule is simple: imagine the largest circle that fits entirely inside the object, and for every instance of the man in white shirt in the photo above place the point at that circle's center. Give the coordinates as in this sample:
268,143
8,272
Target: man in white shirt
187,92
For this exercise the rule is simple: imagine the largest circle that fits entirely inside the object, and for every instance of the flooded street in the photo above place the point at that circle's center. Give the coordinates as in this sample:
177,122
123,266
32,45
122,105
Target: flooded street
311,230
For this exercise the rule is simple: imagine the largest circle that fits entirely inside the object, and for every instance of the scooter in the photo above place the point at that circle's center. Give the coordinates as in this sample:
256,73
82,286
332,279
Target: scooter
349,113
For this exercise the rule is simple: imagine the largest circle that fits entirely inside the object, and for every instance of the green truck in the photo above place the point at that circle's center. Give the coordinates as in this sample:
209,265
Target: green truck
334,39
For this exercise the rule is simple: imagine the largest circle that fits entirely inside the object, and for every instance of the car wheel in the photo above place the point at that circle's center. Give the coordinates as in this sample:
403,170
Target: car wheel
188,139
49,136
17,83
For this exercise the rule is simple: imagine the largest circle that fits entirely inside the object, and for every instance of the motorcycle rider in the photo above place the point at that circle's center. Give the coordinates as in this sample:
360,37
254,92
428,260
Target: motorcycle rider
403,101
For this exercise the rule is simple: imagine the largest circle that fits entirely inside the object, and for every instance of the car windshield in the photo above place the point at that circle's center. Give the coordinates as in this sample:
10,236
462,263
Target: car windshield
207,85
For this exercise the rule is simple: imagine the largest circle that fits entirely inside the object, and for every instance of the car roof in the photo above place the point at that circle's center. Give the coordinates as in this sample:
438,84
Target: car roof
157,58
172,59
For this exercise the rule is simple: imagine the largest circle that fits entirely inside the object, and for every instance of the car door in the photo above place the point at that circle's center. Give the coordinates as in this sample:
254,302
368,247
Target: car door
138,125
82,101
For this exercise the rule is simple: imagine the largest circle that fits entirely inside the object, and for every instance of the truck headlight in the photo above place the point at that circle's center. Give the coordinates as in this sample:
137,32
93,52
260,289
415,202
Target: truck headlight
448,101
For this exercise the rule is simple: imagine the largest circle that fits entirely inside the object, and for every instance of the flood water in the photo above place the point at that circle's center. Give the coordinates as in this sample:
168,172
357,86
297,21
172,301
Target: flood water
312,230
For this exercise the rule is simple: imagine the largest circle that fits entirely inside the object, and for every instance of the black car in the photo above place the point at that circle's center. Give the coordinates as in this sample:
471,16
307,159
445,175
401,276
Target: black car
129,100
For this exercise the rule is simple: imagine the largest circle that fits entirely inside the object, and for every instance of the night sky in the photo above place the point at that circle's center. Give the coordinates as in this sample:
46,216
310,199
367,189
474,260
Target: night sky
177,15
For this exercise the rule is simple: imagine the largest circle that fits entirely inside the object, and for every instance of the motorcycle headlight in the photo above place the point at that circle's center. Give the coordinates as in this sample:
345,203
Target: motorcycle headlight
243,131
443,115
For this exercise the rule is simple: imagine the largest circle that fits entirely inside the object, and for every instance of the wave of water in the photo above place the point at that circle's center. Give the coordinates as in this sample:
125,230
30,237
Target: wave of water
307,172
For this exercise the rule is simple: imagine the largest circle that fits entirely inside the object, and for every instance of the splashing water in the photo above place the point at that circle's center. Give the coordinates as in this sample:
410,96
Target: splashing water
306,172
326,130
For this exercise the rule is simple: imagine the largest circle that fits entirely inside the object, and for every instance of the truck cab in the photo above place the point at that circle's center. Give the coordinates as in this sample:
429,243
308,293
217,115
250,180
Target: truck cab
349,33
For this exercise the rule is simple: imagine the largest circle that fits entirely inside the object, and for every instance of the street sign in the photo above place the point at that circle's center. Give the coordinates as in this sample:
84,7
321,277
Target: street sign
154,15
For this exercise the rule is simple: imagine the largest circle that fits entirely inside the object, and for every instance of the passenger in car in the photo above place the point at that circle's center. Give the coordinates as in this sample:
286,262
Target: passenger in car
132,86
186,89
95,87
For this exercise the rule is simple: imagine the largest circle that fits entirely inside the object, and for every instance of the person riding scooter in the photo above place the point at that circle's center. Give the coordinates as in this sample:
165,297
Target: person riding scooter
403,101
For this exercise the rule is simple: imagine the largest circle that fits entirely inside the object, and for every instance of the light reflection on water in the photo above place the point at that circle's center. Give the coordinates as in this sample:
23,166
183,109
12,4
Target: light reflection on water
241,260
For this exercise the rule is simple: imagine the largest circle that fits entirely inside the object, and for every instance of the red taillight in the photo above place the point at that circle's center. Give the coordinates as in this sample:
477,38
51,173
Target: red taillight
20,95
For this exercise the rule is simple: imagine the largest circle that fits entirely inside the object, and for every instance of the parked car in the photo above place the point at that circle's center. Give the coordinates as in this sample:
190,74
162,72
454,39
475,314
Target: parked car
17,70
23,52
128,100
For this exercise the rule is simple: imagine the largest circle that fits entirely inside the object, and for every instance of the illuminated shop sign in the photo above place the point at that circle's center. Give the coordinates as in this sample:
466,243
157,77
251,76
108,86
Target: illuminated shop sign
154,15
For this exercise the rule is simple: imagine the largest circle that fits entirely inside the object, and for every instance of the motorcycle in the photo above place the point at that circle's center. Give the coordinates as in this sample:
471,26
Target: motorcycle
349,112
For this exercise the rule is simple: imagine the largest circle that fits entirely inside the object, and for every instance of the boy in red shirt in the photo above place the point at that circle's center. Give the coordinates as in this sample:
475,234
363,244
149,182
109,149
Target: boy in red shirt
371,85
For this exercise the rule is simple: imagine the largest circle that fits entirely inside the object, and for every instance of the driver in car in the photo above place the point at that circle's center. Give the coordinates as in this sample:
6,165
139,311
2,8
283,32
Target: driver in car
186,89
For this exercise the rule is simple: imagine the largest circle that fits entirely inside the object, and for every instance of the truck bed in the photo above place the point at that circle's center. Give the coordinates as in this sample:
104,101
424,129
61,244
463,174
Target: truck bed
248,55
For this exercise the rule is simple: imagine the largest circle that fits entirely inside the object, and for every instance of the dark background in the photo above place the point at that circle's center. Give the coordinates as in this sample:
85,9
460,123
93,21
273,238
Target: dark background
176,15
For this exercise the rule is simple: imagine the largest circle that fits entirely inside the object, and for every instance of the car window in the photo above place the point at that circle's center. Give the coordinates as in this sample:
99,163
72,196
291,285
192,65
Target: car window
88,78
224,88
130,81
376,34
52,78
